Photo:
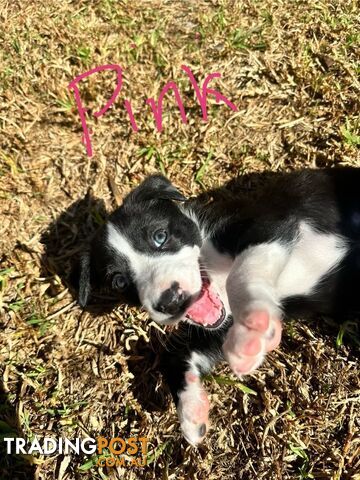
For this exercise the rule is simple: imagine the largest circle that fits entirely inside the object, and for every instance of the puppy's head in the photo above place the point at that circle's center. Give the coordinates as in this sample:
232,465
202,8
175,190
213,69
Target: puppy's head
147,253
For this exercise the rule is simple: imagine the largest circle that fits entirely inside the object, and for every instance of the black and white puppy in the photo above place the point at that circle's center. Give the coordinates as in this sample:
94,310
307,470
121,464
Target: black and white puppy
234,270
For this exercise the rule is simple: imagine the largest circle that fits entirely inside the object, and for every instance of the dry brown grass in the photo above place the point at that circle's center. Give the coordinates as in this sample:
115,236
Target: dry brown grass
293,70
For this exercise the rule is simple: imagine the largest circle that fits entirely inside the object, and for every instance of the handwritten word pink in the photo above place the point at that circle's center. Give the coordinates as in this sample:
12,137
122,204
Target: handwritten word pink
156,106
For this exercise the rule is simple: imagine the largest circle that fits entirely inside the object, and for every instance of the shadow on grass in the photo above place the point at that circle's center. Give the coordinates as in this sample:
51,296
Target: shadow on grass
65,240
12,467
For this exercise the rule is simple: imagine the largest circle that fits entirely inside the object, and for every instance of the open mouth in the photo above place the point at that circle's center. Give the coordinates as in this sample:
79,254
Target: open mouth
207,310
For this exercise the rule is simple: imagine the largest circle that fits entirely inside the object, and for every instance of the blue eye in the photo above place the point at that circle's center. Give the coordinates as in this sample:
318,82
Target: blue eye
119,282
159,237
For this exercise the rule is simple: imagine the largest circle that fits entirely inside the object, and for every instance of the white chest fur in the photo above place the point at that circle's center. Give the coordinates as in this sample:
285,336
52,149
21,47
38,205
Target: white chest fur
297,267
312,255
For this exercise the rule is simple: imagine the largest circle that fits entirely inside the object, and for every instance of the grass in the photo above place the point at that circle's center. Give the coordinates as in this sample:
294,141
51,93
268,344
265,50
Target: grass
304,462
40,323
351,133
292,69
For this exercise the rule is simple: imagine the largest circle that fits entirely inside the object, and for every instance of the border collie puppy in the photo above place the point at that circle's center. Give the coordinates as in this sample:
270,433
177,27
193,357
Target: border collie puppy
233,269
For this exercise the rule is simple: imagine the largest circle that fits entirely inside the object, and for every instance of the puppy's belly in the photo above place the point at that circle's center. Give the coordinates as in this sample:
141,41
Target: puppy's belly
314,255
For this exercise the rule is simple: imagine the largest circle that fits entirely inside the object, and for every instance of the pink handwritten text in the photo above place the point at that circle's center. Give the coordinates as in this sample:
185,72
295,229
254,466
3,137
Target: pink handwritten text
156,106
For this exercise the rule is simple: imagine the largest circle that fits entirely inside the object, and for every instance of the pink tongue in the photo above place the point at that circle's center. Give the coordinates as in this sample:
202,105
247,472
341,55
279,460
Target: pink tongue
207,309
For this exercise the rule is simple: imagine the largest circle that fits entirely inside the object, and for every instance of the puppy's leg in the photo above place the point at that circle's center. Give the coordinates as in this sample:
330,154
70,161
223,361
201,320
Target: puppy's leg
193,403
191,355
251,289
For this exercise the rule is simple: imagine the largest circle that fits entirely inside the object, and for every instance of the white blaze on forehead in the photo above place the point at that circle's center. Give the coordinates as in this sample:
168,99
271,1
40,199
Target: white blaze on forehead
155,273
121,245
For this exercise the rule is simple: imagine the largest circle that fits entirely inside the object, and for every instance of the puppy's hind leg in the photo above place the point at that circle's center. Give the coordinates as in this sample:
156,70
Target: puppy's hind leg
251,289
192,353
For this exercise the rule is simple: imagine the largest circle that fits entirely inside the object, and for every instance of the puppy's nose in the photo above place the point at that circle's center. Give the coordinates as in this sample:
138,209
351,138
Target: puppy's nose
173,300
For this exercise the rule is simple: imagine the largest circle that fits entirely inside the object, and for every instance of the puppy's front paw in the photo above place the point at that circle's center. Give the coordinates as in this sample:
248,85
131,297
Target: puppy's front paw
193,410
248,341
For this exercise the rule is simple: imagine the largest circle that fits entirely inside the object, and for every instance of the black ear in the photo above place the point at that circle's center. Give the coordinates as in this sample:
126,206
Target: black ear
84,280
155,186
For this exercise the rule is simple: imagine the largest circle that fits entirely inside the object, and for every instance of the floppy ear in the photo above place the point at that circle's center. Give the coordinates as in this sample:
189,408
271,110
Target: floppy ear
84,280
155,186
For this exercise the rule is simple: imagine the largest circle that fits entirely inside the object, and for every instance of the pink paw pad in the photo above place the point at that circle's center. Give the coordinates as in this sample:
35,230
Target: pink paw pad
258,320
201,410
251,347
245,365
247,342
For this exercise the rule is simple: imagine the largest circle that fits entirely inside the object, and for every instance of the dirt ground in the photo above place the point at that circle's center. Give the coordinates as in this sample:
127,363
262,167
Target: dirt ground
292,69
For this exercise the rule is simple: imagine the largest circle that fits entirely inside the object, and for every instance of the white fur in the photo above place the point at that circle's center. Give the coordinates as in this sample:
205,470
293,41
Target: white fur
155,273
313,255
197,359
189,401
251,283
265,274
192,398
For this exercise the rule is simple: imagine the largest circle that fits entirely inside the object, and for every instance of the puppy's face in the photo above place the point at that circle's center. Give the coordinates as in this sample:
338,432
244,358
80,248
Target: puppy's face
148,253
